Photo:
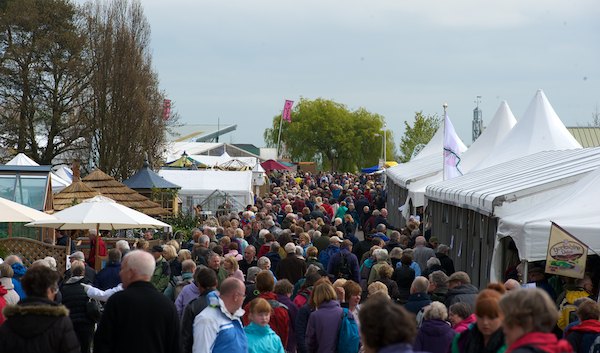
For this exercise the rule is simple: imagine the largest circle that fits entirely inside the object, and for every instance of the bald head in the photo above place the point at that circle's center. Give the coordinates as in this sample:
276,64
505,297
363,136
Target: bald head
511,284
137,266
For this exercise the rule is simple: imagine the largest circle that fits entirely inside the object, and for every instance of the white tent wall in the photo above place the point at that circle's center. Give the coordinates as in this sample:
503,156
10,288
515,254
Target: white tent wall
470,207
575,209
197,185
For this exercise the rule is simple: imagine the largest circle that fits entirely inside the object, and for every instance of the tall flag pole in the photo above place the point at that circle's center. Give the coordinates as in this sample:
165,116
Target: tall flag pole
287,116
453,148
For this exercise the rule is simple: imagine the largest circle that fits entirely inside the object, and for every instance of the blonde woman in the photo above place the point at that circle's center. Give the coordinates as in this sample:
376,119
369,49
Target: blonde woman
230,268
170,254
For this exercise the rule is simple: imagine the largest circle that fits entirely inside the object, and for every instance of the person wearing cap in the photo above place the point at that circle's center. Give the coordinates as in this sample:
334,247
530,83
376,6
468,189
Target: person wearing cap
332,249
90,273
291,267
162,271
344,264
460,289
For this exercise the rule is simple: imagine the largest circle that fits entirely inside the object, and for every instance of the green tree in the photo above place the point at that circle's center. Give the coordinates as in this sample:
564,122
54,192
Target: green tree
126,102
423,129
42,78
329,133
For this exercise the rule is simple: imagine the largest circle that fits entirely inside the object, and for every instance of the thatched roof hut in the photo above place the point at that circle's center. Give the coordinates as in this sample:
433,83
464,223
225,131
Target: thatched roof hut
74,193
110,187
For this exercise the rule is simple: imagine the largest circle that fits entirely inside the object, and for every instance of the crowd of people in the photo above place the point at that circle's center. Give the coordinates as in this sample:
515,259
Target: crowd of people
313,266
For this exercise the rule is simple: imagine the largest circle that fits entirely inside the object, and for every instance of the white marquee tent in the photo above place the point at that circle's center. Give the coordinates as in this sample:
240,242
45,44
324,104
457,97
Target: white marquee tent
499,127
58,183
197,185
575,209
539,129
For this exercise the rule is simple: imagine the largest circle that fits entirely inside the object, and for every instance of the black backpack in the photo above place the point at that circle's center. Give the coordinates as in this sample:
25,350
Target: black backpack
343,268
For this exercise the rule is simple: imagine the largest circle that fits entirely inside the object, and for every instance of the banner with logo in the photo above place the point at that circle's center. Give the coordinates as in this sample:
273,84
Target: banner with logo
566,255
287,111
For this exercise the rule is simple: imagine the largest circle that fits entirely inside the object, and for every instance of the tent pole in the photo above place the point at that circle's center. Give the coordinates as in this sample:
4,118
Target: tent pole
279,137
97,248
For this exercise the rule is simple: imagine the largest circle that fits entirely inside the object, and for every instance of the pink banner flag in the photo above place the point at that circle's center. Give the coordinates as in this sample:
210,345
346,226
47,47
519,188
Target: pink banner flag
287,111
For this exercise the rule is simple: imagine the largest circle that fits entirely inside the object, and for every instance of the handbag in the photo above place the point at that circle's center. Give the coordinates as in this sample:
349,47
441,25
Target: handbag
93,310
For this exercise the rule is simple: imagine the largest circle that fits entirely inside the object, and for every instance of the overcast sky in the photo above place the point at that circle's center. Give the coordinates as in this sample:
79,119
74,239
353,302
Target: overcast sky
240,59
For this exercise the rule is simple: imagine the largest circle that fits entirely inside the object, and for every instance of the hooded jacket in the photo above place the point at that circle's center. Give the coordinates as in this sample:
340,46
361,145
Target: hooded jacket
11,296
19,271
262,339
464,324
465,293
582,336
434,336
37,325
539,342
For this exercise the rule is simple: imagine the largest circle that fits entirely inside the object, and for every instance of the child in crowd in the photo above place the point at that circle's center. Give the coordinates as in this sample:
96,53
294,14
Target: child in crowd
261,338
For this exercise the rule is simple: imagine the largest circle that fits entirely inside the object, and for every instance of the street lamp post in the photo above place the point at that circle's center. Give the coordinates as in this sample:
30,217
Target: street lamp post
384,142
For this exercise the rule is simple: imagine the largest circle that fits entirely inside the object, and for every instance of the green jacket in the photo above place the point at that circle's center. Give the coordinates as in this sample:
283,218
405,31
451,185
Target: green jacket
162,274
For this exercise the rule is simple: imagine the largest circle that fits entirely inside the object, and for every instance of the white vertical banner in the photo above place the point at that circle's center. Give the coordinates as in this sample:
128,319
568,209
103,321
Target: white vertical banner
453,148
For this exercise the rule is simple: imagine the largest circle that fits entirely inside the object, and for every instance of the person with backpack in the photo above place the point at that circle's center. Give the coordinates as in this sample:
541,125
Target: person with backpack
324,322
261,338
177,283
585,336
333,248
581,289
280,319
344,264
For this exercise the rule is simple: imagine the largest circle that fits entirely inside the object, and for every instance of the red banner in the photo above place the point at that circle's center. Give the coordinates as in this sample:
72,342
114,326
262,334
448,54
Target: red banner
287,111
166,109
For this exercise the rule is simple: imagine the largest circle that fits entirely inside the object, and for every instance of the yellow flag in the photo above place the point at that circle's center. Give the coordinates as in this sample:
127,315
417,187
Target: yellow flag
566,256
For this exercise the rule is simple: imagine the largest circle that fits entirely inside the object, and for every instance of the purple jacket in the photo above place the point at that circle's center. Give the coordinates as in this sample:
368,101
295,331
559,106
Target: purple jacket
323,326
398,348
434,336
293,312
188,293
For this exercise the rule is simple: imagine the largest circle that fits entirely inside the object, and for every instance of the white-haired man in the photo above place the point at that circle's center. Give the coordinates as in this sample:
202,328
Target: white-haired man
140,307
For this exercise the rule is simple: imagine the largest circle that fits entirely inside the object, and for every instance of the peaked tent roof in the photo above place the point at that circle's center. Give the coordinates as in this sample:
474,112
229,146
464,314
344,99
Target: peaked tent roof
499,127
21,159
146,178
434,146
110,187
272,164
575,209
540,129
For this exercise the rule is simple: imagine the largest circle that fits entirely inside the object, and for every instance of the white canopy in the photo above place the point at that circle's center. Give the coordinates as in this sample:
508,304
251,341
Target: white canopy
199,184
540,129
101,213
575,209
58,183
15,212
517,184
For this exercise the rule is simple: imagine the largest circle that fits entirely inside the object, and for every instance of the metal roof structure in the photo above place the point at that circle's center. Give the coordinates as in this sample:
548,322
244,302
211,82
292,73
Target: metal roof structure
146,178
587,136
198,132
494,190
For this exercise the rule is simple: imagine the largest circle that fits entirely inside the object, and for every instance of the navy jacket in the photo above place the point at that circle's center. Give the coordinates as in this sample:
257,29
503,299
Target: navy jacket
108,277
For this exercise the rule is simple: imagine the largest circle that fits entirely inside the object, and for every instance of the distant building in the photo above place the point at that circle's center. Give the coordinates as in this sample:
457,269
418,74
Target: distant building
587,136
198,132
477,120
